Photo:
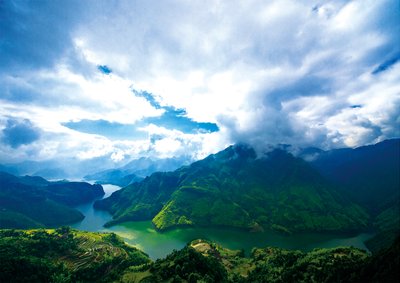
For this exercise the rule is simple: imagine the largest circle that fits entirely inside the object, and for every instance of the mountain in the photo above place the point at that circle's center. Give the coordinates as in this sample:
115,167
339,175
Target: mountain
60,168
136,170
370,176
116,177
66,255
27,202
234,188
48,169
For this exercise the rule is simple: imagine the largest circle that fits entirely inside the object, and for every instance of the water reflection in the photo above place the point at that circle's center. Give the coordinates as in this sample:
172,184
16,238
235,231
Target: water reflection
143,235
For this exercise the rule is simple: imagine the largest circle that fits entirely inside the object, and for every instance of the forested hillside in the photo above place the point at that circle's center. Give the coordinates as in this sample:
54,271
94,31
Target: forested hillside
29,202
235,188
65,255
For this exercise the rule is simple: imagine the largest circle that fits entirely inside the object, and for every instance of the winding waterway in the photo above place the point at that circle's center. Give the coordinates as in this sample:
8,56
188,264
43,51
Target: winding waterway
143,235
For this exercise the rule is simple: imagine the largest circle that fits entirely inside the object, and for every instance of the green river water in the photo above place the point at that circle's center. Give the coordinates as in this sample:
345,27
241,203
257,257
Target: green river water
143,235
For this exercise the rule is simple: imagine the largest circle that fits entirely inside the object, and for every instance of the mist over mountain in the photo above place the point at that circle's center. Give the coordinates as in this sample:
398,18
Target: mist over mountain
226,115
236,188
56,169
136,170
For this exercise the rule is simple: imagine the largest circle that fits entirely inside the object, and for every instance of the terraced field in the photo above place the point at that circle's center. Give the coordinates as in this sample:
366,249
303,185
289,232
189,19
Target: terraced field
93,248
65,254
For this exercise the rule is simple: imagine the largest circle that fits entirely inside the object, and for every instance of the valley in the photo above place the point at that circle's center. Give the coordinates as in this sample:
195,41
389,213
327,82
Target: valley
209,141
232,200
143,235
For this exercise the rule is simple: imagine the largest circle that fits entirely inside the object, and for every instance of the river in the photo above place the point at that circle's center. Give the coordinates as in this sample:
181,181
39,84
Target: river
157,245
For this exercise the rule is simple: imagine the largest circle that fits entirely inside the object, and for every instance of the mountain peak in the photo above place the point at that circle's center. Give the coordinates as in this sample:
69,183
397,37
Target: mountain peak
235,188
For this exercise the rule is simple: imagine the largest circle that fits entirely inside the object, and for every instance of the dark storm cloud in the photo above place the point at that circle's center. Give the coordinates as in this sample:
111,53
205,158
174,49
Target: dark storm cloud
34,34
308,85
19,132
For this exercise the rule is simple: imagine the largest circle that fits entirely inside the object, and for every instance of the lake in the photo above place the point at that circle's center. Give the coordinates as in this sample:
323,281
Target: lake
157,245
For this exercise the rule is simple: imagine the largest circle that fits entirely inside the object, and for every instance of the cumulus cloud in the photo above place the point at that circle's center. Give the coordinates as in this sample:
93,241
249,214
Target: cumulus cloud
261,72
238,63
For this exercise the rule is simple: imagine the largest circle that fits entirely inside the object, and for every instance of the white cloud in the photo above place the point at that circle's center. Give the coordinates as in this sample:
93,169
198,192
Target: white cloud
264,71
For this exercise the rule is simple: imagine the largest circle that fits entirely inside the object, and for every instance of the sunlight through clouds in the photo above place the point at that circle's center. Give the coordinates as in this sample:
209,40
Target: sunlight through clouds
258,72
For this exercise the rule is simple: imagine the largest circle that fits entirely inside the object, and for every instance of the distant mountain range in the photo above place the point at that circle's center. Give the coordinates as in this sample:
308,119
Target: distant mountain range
28,202
94,169
236,188
136,170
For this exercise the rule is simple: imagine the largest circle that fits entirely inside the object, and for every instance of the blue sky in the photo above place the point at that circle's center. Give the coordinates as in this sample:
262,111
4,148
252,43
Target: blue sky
120,79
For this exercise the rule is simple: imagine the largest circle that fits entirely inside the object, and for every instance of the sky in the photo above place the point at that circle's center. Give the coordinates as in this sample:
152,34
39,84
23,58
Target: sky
116,80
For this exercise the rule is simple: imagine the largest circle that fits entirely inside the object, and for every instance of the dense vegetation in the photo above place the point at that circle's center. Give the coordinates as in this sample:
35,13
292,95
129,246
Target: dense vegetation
65,255
369,175
32,202
235,188
203,261
232,188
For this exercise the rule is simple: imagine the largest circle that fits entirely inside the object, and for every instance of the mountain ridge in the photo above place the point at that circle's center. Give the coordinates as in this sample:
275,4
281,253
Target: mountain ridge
136,170
235,188
30,202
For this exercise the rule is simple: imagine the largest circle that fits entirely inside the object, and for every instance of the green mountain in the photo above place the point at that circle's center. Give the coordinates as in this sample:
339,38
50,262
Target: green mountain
29,202
66,255
369,176
235,188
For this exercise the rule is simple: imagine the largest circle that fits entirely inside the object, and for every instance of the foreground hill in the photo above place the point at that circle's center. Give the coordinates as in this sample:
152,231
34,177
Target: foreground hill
203,261
65,255
235,188
29,202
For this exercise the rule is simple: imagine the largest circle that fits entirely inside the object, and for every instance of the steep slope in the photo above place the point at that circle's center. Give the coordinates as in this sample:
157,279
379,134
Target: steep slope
370,176
29,202
235,188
